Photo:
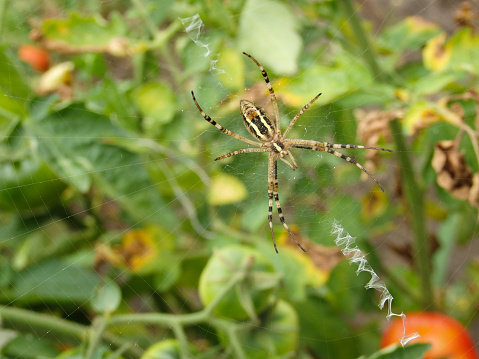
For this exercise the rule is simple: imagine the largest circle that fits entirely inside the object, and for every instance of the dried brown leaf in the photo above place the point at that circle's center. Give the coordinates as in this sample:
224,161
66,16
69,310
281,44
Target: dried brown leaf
453,173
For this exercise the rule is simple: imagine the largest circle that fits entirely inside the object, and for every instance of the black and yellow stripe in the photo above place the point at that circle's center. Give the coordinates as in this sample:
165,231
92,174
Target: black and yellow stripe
267,133
316,146
245,150
272,95
265,75
256,121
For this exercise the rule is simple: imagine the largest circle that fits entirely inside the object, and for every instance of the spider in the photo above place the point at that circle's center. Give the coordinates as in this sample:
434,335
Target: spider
270,139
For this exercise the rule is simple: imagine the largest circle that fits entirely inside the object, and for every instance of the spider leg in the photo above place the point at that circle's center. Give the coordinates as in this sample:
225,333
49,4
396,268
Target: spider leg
293,121
221,128
353,161
273,192
271,93
325,146
245,150
270,213
315,145
289,163
339,145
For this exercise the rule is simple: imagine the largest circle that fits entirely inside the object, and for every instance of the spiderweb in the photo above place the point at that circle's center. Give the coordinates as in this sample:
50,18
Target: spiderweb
177,161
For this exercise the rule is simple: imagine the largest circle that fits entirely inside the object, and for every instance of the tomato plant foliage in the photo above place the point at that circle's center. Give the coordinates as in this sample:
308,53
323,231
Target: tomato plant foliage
122,237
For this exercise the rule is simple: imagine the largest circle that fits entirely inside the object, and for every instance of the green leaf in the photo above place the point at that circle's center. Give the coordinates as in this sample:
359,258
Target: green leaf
332,336
11,82
294,271
460,52
75,142
157,102
432,83
79,30
30,347
465,51
11,113
14,95
54,281
269,32
107,297
411,33
346,75
347,290
109,98
413,351
167,276
231,69
226,189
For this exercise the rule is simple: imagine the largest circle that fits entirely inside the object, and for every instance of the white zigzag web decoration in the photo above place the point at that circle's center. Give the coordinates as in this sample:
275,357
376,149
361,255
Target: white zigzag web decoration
348,247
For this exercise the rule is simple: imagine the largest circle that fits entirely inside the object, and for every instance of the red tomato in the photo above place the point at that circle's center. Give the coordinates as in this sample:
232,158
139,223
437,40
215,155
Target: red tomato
448,337
36,57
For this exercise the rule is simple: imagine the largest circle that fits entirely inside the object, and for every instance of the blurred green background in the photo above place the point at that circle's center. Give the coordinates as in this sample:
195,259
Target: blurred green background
120,233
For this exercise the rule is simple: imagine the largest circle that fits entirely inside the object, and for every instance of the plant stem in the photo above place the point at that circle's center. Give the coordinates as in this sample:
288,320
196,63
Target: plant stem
366,48
58,329
178,321
21,319
415,202
98,326
183,342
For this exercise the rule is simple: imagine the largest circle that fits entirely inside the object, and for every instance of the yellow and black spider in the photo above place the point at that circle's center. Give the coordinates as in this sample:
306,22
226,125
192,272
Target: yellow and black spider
271,140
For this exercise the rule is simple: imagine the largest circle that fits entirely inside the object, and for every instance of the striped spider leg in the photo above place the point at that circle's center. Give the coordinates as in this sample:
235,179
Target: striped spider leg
270,139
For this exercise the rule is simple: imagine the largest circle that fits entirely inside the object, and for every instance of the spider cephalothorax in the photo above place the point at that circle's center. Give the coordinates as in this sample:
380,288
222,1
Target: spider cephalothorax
271,140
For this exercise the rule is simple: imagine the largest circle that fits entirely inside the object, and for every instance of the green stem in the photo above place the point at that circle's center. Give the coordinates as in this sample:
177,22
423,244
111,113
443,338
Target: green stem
182,340
231,330
178,321
97,328
21,319
415,201
61,330
352,16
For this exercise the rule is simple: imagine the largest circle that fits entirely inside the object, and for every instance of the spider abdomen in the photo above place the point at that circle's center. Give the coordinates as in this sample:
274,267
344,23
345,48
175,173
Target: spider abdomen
256,121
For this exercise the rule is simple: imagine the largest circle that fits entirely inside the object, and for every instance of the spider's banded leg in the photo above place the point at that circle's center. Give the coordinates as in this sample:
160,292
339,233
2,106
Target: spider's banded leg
325,146
293,167
270,213
221,128
273,172
353,161
339,145
246,150
293,121
271,162
317,146
271,93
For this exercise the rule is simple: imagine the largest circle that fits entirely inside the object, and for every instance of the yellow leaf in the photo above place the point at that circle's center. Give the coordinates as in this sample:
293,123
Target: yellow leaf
226,189
231,69
423,114
374,204
138,249
436,54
